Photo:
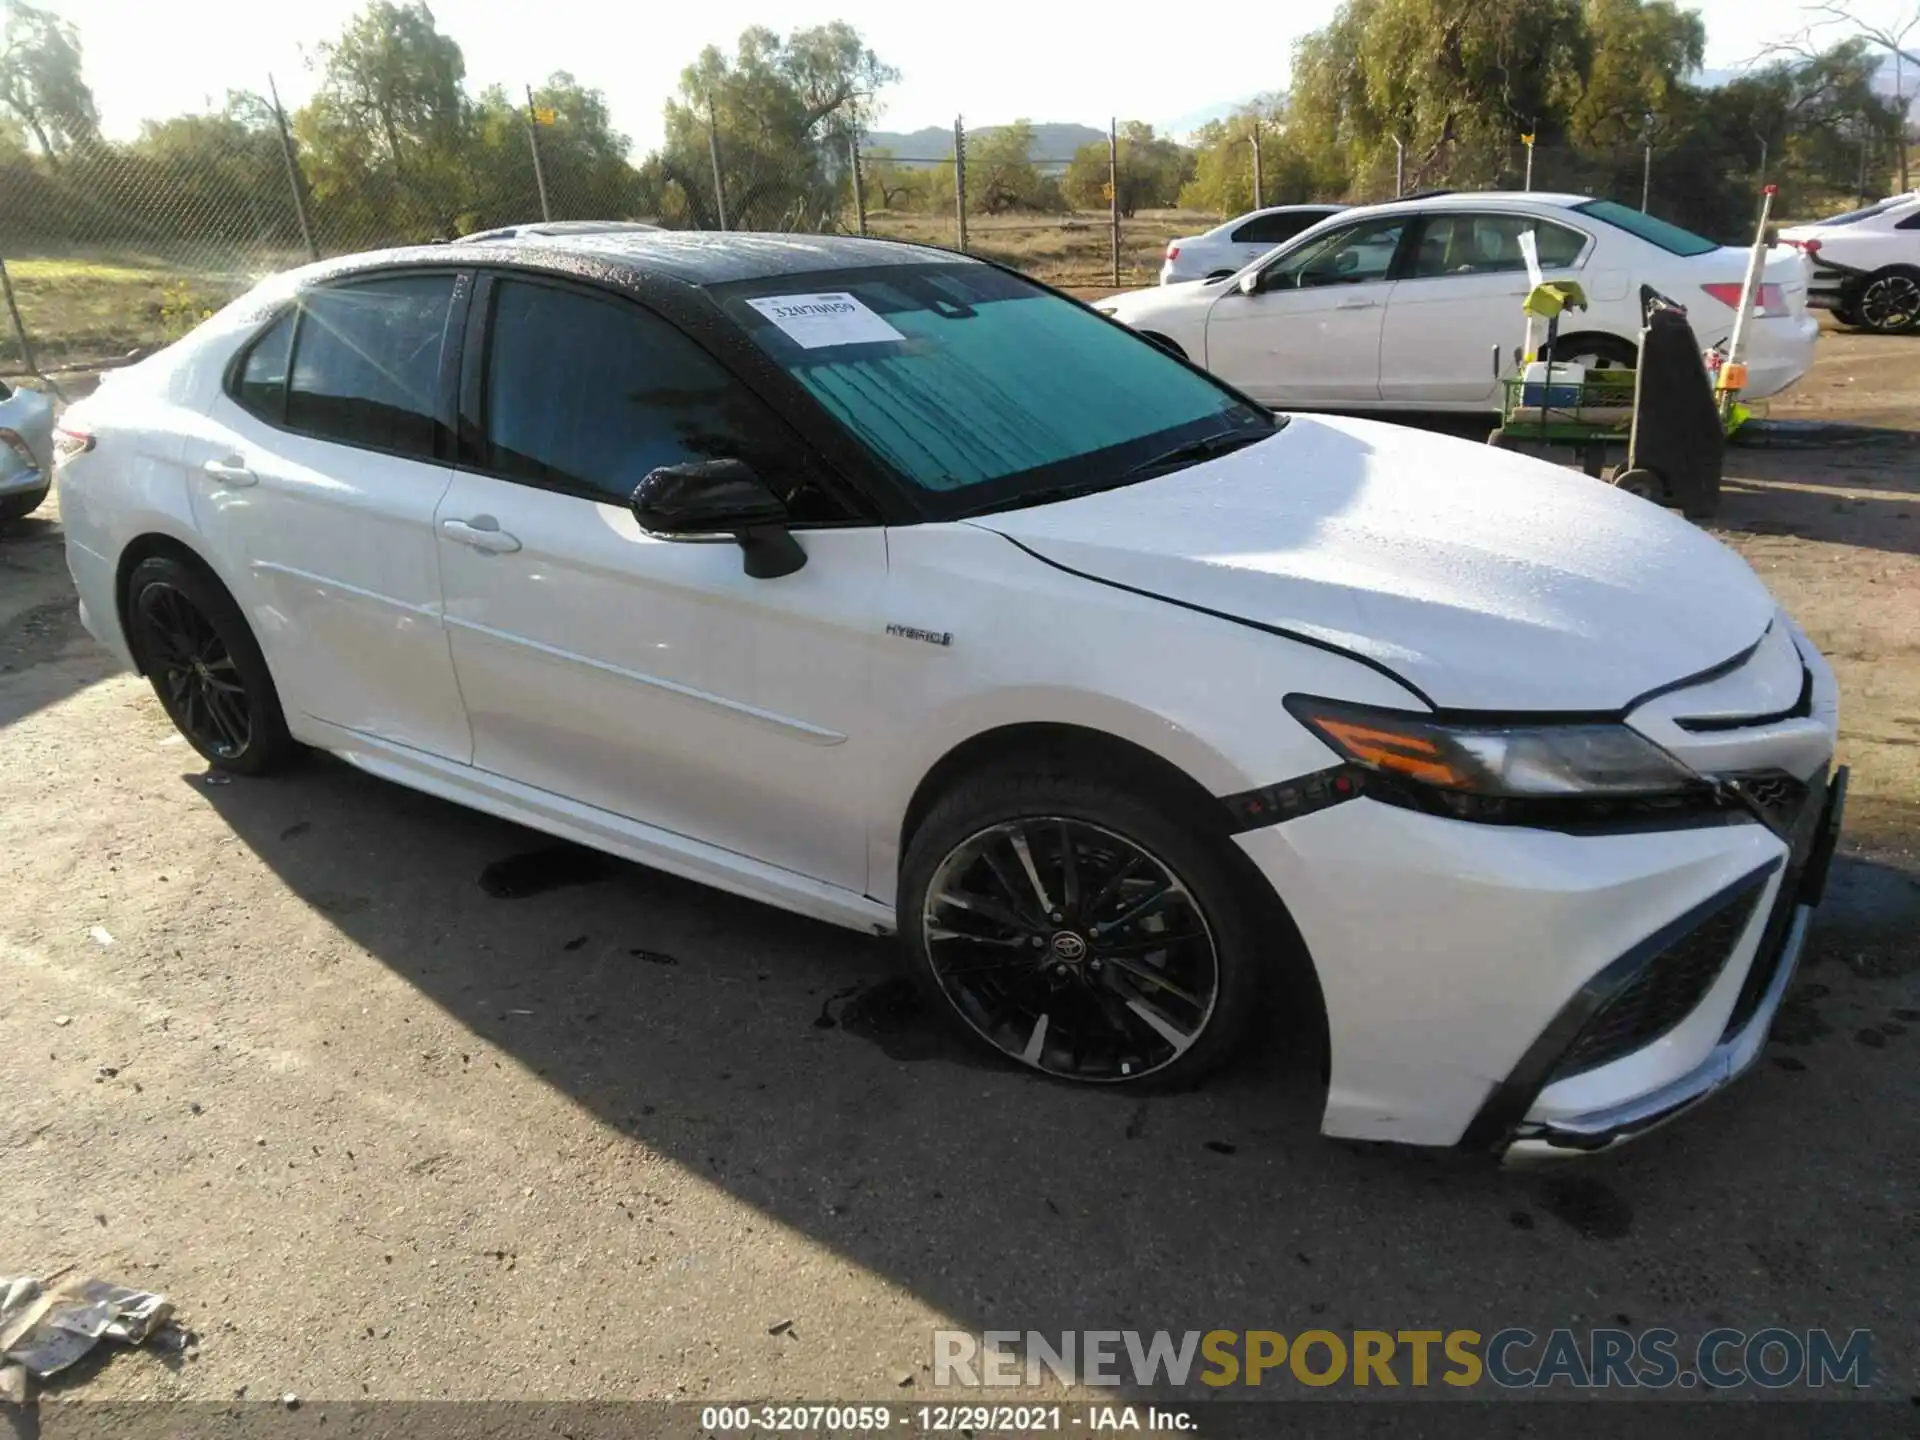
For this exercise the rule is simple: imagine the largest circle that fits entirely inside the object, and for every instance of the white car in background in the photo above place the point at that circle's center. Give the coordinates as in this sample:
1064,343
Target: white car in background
881,584
26,451
1239,242
1866,264
1415,305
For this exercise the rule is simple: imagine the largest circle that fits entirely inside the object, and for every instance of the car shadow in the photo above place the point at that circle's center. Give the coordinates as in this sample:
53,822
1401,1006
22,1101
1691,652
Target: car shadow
46,655
791,1063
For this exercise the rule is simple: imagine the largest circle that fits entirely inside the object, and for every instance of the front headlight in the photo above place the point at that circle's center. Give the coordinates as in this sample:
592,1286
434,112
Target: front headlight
1492,771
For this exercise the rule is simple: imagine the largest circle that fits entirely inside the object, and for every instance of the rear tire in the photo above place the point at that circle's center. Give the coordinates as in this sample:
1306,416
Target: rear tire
18,507
194,647
1026,957
1889,302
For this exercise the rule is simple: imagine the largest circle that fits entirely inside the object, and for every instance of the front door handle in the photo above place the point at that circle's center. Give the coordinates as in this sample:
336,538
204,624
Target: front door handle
1356,304
230,472
482,533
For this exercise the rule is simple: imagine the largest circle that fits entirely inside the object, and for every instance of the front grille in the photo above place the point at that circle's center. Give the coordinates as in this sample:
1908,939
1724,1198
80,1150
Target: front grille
1777,796
1662,992
1796,821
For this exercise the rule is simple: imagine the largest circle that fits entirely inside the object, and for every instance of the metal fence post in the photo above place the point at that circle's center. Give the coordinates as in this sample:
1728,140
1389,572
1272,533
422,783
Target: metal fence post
19,326
1259,187
960,182
1399,167
533,144
713,153
1113,191
859,196
293,171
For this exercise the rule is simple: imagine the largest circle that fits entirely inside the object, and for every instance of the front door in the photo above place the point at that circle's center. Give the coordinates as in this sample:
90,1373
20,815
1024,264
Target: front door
651,678
314,481
1310,334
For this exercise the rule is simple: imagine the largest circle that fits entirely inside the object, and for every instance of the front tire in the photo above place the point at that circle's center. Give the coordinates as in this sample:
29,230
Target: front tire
196,650
1071,925
1889,302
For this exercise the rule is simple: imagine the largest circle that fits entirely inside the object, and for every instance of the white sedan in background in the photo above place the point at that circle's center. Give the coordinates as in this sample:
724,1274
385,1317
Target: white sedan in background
1415,305
1866,264
1239,242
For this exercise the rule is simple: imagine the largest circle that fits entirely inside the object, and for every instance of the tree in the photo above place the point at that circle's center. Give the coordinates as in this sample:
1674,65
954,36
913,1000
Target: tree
780,113
1151,170
1892,36
1001,174
41,86
896,186
386,129
1639,57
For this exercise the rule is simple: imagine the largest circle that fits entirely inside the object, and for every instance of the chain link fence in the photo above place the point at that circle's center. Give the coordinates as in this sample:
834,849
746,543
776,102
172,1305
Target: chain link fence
111,250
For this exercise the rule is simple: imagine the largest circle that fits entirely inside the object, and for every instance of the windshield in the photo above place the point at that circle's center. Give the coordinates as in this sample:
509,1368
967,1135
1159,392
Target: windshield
978,387
1668,236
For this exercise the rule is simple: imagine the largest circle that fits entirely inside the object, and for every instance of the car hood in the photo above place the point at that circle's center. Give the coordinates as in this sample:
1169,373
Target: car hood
1179,295
1484,579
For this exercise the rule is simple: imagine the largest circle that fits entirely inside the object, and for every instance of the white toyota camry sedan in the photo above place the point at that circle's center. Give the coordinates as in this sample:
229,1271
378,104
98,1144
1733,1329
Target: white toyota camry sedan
886,586
1415,305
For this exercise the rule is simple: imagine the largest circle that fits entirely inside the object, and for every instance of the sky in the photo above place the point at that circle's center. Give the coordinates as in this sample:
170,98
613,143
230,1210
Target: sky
989,60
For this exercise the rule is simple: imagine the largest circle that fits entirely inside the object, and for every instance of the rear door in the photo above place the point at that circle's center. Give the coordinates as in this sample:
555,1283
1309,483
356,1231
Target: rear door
651,678
1454,321
314,487
1310,334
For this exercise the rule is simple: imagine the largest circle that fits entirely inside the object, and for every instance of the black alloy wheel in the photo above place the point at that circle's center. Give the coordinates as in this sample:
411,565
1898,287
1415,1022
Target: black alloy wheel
1071,948
205,667
1889,303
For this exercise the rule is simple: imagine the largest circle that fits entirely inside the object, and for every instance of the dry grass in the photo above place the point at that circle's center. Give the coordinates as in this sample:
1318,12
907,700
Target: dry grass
84,307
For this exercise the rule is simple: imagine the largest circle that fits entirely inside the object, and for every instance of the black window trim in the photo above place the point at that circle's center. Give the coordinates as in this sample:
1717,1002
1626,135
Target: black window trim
447,388
470,390
1404,262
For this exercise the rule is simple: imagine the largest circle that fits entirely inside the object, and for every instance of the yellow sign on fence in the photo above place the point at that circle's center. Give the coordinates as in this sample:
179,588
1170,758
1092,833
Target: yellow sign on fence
545,115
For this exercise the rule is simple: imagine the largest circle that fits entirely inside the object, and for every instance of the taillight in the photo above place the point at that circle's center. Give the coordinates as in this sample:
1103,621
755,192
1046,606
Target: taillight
1812,247
69,443
1766,298
1173,252
11,443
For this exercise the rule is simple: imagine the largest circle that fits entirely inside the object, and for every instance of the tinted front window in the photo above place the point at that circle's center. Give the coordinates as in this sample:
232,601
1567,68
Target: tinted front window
366,363
263,378
1350,256
590,393
1272,229
1489,244
1669,237
967,378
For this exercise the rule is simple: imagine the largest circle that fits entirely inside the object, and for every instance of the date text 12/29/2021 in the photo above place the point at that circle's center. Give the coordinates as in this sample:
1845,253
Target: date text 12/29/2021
938,1419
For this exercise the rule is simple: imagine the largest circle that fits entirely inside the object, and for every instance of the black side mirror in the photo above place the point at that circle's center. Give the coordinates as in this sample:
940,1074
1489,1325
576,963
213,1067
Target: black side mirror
705,499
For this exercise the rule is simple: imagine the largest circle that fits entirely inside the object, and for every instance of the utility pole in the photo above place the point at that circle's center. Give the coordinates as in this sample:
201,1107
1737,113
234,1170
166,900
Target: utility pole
533,144
293,171
1259,188
859,196
1113,192
960,182
1646,167
1399,167
713,153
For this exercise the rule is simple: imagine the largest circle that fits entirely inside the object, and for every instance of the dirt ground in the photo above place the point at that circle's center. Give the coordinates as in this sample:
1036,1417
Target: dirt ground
393,1101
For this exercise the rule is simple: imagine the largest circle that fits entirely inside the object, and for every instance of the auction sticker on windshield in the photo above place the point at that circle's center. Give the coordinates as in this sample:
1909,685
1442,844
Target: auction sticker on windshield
816,321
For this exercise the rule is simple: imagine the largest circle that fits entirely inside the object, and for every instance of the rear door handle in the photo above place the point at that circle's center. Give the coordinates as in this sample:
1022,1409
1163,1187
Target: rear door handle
482,533
1356,304
230,472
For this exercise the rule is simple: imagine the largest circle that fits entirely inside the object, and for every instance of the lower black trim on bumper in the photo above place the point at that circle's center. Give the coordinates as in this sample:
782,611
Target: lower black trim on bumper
1499,1125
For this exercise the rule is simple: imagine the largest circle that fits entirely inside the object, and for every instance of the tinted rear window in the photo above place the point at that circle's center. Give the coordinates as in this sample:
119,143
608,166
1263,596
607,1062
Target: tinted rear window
1673,239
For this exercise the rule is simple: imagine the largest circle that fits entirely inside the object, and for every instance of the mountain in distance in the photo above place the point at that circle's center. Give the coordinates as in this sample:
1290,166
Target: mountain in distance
1054,143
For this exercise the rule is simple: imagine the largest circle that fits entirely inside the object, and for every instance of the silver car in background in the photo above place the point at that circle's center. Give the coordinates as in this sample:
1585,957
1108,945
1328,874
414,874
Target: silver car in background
26,451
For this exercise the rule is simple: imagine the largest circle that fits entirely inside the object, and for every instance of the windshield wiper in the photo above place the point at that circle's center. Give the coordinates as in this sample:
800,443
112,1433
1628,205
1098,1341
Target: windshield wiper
1207,447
